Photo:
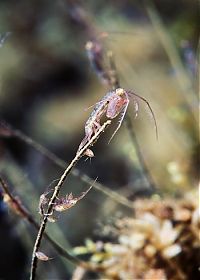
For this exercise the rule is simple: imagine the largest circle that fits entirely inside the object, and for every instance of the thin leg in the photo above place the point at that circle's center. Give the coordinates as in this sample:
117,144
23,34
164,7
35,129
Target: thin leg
87,137
122,115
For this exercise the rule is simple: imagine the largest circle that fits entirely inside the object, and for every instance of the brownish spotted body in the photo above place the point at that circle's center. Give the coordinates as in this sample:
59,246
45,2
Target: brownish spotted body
114,103
111,105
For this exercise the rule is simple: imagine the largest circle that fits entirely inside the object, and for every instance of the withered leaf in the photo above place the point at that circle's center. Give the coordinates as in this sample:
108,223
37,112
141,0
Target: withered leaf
89,153
69,201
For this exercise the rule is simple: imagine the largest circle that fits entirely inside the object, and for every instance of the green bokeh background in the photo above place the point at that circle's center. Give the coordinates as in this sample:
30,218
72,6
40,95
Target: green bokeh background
46,83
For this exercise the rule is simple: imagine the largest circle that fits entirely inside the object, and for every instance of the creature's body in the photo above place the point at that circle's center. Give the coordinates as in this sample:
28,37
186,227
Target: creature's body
111,105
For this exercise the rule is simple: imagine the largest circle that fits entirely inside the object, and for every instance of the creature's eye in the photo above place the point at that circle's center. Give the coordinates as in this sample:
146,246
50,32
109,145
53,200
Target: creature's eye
119,91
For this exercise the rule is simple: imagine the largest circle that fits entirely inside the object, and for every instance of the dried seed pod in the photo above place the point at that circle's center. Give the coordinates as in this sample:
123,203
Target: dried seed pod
52,219
89,153
65,203
69,201
41,256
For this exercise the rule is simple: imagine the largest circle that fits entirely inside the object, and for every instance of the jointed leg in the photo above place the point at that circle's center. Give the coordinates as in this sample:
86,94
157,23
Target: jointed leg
122,115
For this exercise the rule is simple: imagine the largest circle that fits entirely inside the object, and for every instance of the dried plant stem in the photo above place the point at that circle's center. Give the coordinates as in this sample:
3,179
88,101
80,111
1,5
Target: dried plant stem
140,157
129,126
113,80
55,194
26,214
75,172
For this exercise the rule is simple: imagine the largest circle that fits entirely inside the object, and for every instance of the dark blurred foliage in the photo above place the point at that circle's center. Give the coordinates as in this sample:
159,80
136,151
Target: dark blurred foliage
13,252
46,82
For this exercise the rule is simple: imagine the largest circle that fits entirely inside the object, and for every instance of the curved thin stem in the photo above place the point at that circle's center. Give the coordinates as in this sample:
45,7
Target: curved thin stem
12,132
143,165
55,194
21,210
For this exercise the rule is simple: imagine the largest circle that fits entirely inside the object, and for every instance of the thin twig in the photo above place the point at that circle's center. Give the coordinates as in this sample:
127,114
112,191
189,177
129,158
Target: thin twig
61,163
26,214
140,157
112,80
116,83
55,194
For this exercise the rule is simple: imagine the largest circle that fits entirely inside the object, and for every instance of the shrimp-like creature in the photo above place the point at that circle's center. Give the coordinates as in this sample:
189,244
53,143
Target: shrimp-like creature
111,105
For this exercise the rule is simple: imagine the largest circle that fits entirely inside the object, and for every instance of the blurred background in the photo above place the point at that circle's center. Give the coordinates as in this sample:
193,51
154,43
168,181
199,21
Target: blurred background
46,85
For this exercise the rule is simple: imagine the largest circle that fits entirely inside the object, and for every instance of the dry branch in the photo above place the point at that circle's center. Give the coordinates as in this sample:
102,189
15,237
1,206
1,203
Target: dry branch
18,207
55,194
8,131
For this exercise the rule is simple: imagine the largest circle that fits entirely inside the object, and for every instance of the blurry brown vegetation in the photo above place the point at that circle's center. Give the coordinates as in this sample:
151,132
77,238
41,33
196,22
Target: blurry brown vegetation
46,83
160,242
